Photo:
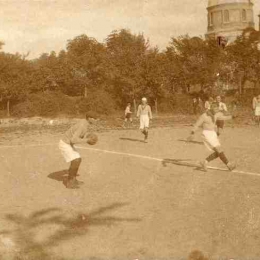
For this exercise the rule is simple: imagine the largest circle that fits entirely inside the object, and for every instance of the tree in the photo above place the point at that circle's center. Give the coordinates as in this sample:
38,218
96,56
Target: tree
87,62
196,61
15,76
126,53
243,58
155,86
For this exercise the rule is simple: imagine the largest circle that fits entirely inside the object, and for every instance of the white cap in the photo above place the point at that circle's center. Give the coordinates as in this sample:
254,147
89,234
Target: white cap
144,99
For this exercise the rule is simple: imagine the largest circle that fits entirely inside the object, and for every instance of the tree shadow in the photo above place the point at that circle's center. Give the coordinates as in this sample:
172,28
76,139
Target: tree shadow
192,142
27,229
131,139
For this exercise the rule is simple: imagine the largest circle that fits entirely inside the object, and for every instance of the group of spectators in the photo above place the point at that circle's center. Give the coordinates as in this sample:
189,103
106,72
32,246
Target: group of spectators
200,106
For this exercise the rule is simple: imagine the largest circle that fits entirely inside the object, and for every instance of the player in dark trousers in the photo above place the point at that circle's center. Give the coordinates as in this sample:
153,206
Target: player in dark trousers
77,134
128,115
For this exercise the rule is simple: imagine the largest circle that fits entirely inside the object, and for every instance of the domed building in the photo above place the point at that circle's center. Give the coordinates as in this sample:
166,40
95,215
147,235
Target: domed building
228,18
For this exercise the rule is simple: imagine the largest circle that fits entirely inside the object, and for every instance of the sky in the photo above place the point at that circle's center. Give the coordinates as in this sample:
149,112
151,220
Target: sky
40,26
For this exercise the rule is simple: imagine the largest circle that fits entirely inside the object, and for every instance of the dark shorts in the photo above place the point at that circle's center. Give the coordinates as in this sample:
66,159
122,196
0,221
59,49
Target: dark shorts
128,116
220,123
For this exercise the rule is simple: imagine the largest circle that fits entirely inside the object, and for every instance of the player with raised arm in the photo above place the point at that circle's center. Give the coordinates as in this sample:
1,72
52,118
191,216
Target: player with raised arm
144,112
207,121
77,134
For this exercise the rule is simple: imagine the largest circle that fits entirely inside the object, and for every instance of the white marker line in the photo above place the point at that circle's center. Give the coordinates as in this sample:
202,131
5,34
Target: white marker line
130,155
163,160
21,145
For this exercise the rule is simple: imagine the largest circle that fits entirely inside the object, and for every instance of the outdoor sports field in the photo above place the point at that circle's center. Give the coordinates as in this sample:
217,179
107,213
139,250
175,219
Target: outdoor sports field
136,203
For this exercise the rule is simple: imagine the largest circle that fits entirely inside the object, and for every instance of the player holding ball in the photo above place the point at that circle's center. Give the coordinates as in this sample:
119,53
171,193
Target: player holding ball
77,134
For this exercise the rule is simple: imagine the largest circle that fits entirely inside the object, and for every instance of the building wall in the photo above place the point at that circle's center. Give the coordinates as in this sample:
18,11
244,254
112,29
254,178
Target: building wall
229,19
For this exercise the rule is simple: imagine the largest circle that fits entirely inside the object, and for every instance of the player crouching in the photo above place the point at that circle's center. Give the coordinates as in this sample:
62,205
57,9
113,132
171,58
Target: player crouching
208,123
77,134
144,112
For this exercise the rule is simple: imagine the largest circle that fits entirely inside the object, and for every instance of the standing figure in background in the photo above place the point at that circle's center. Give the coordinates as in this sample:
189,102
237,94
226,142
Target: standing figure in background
208,103
256,107
200,105
128,115
195,105
254,102
144,112
222,108
235,101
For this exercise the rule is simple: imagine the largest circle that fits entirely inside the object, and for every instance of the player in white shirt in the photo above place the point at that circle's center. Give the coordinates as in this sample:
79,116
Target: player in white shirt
144,112
222,108
256,107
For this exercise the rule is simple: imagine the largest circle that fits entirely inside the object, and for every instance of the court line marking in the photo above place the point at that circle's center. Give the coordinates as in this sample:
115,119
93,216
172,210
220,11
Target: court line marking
130,155
28,145
162,160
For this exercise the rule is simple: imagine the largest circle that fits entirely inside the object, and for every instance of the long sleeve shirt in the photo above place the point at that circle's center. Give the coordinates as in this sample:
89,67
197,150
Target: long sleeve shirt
207,121
222,107
76,133
144,110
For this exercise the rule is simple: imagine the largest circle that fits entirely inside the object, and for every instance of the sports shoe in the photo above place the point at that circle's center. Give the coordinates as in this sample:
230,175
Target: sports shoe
231,166
71,184
79,182
203,166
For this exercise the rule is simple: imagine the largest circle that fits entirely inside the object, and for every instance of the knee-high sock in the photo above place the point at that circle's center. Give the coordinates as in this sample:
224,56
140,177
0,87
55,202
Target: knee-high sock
212,157
223,158
74,167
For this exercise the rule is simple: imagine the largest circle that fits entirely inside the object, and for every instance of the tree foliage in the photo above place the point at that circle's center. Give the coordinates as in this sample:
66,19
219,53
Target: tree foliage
123,69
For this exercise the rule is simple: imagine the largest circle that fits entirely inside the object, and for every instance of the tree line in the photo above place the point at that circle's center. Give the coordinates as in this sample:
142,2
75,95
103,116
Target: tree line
104,76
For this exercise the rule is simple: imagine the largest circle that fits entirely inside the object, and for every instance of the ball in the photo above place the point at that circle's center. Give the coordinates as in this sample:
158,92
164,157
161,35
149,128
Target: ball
92,139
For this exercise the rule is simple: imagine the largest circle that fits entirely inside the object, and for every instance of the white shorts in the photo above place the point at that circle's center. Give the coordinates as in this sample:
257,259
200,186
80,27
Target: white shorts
210,139
68,151
257,111
144,121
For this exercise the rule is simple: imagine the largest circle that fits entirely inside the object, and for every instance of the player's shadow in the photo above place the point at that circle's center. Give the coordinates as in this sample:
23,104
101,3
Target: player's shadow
131,139
181,162
192,142
59,176
32,238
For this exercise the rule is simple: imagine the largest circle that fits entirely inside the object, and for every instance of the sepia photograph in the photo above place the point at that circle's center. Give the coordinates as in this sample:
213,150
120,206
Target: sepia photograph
130,129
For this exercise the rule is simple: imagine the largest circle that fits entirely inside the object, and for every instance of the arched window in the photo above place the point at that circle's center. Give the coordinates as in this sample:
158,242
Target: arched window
226,16
210,19
244,15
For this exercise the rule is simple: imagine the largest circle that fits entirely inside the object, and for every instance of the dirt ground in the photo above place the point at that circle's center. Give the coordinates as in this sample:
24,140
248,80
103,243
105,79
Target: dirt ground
132,206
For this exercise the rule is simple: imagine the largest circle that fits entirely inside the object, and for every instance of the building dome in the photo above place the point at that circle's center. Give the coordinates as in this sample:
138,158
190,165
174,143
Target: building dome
228,18
223,2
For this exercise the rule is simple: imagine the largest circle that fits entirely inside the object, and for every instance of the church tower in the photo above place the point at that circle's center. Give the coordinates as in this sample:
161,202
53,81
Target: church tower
228,18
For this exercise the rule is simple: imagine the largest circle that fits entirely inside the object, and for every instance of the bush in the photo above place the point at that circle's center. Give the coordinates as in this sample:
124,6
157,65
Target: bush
45,104
56,103
99,102
178,103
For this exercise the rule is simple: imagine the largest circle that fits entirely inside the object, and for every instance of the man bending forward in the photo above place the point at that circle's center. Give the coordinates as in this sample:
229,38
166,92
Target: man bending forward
77,134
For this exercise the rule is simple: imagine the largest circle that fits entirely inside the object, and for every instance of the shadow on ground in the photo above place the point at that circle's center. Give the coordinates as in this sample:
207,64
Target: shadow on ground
27,229
191,142
59,176
181,162
131,139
